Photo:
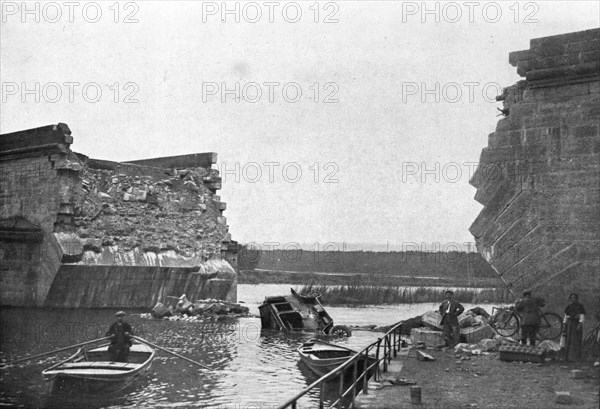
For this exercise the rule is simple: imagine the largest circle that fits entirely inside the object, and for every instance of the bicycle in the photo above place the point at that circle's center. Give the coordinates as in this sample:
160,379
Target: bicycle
591,342
507,321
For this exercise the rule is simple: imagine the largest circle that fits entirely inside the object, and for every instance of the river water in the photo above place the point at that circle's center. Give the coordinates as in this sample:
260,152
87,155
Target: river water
254,369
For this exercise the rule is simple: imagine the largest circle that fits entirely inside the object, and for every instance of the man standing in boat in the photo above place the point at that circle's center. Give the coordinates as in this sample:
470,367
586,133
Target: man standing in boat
450,310
121,335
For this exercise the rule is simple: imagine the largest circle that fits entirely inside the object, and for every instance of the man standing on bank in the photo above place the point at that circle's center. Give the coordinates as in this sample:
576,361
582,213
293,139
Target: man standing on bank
531,316
121,335
450,310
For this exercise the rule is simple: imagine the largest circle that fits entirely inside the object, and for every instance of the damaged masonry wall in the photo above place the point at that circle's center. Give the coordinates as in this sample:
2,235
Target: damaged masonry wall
538,178
108,234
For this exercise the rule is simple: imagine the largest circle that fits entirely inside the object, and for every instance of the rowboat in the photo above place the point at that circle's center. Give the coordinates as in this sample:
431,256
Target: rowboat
322,357
93,371
298,313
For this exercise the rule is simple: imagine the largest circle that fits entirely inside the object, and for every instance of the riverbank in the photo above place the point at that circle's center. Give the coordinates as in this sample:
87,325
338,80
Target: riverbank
484,382
373,294
332,278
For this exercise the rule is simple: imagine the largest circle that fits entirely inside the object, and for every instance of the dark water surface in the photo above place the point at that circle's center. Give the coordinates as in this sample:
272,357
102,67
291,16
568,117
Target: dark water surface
253,369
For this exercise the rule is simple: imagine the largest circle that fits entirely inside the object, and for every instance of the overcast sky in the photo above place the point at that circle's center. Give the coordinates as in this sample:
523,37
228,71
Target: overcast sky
356,122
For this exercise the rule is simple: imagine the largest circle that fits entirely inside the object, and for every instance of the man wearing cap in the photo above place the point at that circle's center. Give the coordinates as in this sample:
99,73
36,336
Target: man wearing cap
121,335
450,310
531,316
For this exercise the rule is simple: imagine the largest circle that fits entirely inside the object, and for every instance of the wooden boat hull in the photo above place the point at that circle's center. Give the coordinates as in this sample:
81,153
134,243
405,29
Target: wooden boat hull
93,372
322,357
295,312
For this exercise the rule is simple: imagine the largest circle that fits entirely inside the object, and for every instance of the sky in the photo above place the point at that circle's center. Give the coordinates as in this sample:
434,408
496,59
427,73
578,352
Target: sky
338,125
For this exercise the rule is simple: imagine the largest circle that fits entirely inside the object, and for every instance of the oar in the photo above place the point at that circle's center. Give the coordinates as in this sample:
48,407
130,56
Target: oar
173,353
56,351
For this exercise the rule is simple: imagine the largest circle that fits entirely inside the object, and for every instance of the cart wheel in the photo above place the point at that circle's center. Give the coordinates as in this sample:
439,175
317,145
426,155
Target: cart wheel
340,331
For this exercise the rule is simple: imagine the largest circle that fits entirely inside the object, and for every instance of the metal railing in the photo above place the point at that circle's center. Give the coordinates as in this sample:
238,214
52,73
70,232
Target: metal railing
386,348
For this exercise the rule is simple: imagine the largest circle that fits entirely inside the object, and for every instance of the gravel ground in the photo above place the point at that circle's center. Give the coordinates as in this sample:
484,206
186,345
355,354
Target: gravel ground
456,381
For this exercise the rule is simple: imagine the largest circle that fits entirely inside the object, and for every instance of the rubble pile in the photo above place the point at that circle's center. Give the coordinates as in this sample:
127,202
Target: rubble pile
144,209
200,310
473,328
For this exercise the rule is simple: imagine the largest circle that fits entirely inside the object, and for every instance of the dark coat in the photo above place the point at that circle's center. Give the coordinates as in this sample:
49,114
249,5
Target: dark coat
120,339
451,314
529,309
573,310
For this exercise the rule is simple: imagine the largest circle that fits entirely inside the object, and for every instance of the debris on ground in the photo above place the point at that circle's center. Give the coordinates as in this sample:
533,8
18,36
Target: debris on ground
563,398
422,356
473,325
185,310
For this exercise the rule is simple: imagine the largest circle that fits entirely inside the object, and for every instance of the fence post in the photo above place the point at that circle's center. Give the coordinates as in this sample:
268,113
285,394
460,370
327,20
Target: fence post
385,348
365,378
322,395
394,345
354,381
378,357
341,385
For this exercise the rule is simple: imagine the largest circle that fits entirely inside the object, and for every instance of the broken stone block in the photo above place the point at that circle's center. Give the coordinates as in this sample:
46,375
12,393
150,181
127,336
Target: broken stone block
70,245
140,194
94,245
104,196
108,209
577,374
563,398
68,165
191,185
160,311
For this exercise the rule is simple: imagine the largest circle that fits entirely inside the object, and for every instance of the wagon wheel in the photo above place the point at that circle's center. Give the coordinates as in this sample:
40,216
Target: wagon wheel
340,331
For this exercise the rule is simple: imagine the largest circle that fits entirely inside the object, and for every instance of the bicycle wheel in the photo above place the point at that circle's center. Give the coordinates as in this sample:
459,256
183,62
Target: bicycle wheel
551,326
591,337
591,340
507,325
